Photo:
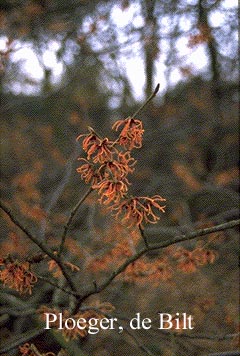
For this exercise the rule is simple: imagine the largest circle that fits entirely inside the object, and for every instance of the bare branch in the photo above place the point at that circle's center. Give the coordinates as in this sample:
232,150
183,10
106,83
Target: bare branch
190,336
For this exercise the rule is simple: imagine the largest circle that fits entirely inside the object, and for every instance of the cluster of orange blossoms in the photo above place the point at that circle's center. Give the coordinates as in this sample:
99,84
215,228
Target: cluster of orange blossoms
17,276
106,168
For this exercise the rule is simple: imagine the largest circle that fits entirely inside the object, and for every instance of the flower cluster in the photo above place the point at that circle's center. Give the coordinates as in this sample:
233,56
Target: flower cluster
139,209
17,276
107,166
131,135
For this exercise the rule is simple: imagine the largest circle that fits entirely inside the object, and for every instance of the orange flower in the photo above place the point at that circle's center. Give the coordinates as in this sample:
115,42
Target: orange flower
119,167
138,270
88,173
186,261
104,151
111,191
126,160
131,134
139,209
102,148
17,276
90,140
86,170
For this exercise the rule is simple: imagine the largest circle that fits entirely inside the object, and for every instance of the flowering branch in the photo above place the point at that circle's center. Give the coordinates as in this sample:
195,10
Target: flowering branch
148,248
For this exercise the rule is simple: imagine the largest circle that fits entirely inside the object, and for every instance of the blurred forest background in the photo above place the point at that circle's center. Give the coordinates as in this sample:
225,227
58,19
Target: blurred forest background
66,65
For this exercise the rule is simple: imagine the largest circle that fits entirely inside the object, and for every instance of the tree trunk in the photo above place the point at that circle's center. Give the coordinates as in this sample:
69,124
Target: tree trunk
150,43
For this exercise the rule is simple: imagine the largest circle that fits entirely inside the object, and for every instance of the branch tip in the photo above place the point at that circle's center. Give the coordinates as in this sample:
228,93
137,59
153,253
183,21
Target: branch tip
147,101
156,89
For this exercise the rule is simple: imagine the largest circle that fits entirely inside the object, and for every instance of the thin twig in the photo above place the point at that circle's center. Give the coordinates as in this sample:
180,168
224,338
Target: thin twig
70,219
147,101
111,278
137,342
